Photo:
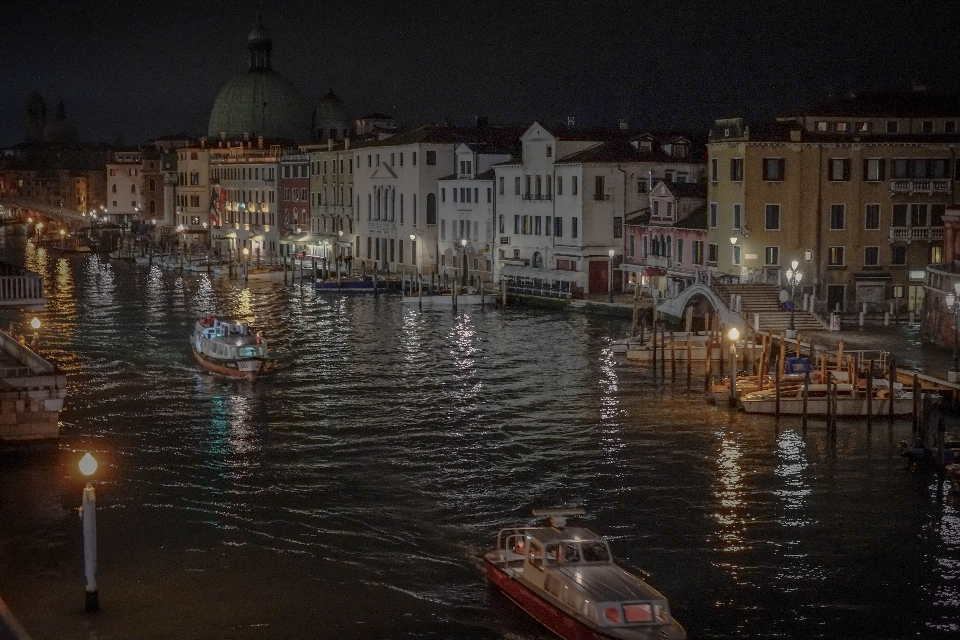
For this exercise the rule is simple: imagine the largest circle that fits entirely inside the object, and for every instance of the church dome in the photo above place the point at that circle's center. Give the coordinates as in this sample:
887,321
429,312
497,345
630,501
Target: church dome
331,108
260,102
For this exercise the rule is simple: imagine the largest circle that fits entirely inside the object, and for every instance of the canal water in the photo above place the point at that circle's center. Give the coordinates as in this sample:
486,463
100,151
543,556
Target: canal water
351,493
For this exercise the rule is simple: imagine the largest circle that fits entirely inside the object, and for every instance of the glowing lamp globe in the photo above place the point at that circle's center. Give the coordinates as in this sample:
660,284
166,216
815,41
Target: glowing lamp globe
35,323
734,334
88,465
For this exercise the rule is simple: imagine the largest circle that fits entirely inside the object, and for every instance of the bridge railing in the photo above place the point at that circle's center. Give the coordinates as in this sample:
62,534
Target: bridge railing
30,362
21,287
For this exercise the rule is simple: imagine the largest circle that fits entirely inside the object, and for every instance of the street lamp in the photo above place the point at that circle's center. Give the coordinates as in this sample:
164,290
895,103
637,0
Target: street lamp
39,232
953,303
610,277
35,323
246,257
793,279
63,233
463,244
734,336
88,513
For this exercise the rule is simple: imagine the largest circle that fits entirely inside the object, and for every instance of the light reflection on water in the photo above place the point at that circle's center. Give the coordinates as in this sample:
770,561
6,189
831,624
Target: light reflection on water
395,442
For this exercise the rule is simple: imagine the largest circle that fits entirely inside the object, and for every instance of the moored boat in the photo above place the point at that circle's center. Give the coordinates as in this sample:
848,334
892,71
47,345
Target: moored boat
348,285
228,347
566,579
847,401
471,297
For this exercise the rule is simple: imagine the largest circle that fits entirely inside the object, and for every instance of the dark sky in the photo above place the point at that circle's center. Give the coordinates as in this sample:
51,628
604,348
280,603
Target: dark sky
145,68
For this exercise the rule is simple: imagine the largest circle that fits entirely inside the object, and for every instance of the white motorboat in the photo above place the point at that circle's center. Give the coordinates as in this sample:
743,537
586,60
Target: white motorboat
228,347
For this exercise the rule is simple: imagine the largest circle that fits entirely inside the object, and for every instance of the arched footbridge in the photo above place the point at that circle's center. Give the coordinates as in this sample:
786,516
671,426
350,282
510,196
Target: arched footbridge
21,208
699,295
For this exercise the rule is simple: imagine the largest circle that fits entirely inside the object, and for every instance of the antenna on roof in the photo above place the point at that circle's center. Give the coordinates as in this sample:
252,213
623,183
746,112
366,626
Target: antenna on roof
558,517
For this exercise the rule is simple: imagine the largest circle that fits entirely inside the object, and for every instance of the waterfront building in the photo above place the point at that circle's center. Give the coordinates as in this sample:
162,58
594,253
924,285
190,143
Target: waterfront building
854,189
939,321
561,206
293,188
395,194
331,225
665,244
159,189
243,176
193,214
124,178
465,214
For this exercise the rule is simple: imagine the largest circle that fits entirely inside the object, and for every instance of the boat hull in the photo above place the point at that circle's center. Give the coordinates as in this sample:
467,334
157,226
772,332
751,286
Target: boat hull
845,407
347,286
247,369
446,302
563,624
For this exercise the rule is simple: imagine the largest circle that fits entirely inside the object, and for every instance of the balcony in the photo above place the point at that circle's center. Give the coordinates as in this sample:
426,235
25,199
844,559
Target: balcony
663,262
531,196
920,186
919,234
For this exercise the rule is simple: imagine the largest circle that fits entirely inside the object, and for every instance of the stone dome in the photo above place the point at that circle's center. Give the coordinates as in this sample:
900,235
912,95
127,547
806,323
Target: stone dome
260,102
331,108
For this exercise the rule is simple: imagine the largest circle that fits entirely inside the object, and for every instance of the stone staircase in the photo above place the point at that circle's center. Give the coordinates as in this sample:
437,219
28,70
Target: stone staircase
765,300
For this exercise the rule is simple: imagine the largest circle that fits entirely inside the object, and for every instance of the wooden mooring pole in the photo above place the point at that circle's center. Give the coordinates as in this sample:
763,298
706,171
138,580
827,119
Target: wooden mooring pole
689,358
806,396
673,357
893,379
870,396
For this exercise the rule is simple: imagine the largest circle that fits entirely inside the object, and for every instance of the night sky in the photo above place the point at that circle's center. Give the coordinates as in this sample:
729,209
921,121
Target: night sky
142,68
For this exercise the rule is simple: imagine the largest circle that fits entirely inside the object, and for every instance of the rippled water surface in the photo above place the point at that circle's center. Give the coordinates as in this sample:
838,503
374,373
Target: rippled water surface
350,493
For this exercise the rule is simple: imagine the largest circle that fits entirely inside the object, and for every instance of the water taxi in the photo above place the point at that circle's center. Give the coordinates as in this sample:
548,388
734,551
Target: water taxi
566,579
228,347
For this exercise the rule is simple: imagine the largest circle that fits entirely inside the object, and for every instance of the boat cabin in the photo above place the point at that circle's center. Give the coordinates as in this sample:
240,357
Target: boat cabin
573,568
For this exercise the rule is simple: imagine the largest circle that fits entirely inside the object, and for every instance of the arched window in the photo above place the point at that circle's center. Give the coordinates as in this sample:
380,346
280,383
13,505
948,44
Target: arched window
369,208
656,246
133,188
114,188
537,260
669,246
431,208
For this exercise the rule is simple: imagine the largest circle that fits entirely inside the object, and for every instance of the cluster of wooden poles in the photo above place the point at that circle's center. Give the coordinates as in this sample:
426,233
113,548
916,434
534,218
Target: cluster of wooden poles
757,370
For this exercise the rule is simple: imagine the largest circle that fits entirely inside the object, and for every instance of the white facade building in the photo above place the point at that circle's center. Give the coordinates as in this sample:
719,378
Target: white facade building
192,220
466,230
124,185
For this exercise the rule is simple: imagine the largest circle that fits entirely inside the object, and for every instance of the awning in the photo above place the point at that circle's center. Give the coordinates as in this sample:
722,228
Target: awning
512,271
653,272
633,268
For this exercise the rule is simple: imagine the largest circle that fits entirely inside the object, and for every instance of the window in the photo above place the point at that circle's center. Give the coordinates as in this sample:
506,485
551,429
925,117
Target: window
489,195
899,216
839,169
863,127
501,224
736,169
526,186
500,185
926,126
414,154
838,215
574,227
950,126
936,214
737,252
714,170
871,217
573,186
871,256
713,215
548,221
516,225
558,227
712,253
527,225
898,255
918,215
936,255
443,229
892,126
697,253
771,256
549,151
617,227
772,217
559,185
599,192
874,169
679,250
821,126
431,157
516,186
840,127
537,229
737,215
773,169
835,257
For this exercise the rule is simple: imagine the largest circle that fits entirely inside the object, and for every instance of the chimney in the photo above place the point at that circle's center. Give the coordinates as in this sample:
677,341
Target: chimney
203,142
794,135
624,125
346,143
571,122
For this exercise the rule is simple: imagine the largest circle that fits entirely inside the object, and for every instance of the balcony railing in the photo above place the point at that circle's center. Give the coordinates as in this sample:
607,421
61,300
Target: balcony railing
920,186
535,196
909,234
662,262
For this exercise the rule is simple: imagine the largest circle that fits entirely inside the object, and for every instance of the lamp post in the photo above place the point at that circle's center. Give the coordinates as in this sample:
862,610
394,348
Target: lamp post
246,260
35,323
463,245
63,234
953,303
610,277
39,232
734,336
793,279
88,513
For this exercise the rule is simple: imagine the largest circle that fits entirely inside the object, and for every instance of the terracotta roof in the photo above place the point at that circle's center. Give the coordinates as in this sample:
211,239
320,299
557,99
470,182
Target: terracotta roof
687,189
622,151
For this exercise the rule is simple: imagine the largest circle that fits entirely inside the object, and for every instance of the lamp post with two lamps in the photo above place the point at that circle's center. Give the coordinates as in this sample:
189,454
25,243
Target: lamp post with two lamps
793,279
953,303
610,276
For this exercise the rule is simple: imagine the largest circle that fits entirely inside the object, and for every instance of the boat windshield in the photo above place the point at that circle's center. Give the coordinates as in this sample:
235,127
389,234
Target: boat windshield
562,552
594,551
